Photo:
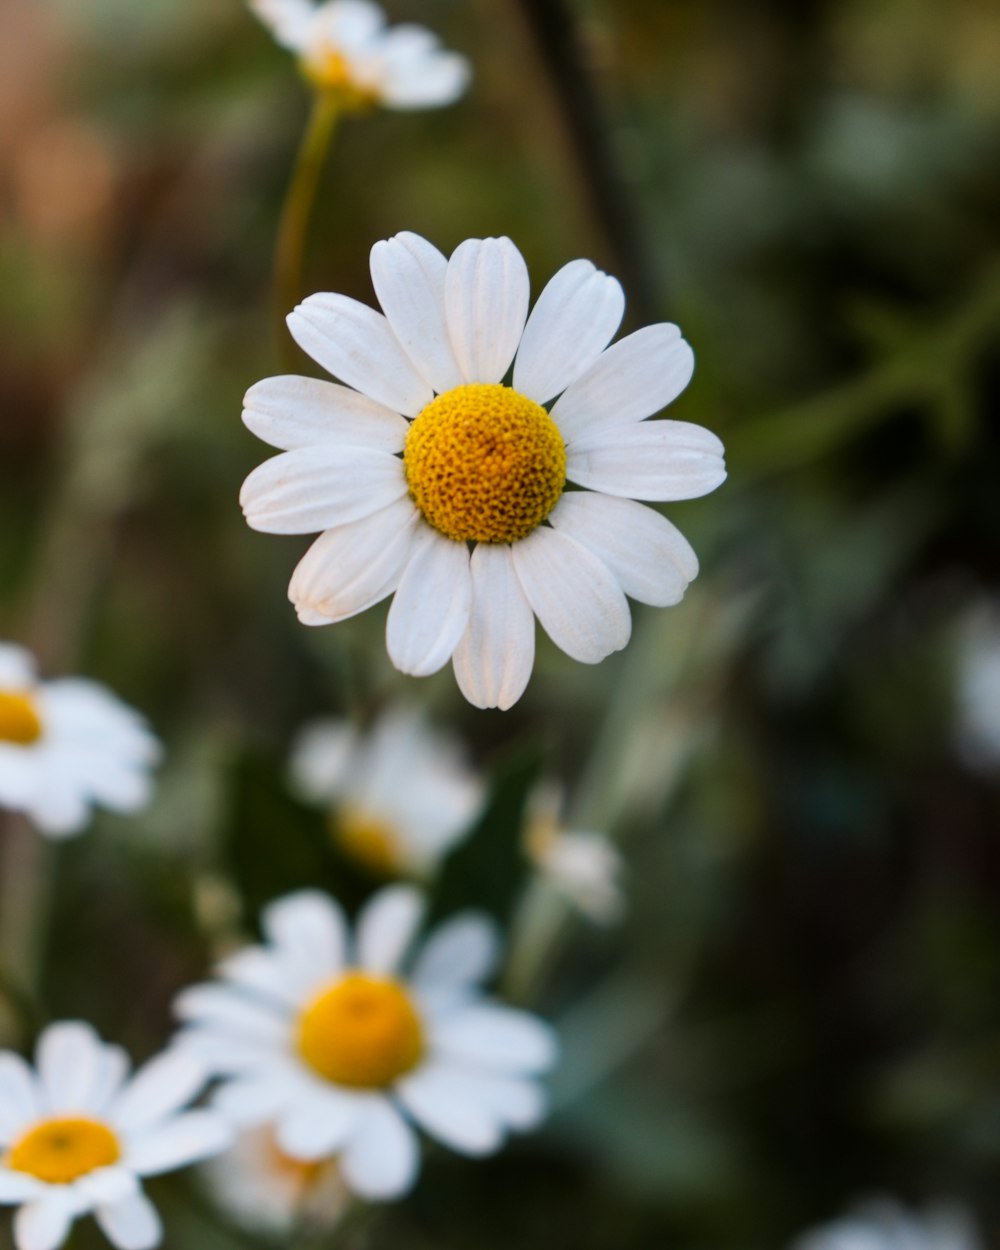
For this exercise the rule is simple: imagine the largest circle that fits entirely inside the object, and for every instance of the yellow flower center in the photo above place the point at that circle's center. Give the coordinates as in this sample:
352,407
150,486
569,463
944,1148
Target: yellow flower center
365,838
330,71
59,1151
484,464
361,1031
19,719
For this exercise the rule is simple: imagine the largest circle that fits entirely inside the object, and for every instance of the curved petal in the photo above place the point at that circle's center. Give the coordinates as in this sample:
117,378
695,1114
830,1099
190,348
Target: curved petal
382,1159
386,927
409,274
574,319
431,82
18,1187
459,954
315,488
308,928
69,1062
634,378
160,1087
20,1096
44,1223
446,1107
575,596
184,1139
131,1224
655,460
224,1009
430,610
318,1128
253,1100
486,298
290,412
349,569
490,1036
495,655
107,1185
650,557
356,344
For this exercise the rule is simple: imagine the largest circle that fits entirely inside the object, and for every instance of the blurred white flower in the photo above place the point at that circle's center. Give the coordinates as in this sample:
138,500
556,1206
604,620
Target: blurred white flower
431,452
584,867
318,1034
264,1190
977,687
401,795
884,1224
78,1136
67,745
345,47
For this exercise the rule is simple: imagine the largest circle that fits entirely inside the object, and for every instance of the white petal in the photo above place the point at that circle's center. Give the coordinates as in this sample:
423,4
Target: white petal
44,1223
460,953
445,1106
69,1061
107,1185
387,926
184,1139
17,667
576,598
653,460
288,19
227,1010
167,1082
20,1096
430,610
252,1101
634,378
486,297
437,80
131,1224
408,274
349,23
352,567
318,1129
491,1036
259,971
315,488
574,319
290,412
650,557
114,1069
495,655
382,1159
309,928
18,1186
356,344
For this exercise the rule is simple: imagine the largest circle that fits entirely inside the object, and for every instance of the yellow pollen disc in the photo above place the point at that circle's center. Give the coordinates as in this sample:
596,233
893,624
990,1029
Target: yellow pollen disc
370,841
484,464
19,719
361,1031
60,1151
330,71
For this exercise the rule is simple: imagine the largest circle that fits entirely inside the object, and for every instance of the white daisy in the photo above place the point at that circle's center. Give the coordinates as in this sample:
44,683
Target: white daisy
400,796
345,48
66,746
320,1035
583,866
883,1224
425,452
78,1136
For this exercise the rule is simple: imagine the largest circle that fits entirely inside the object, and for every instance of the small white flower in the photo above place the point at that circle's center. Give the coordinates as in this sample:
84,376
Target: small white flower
431,452
977,688
78,1135
67,745
344,47
401,796
883,1224
583,866
320,1035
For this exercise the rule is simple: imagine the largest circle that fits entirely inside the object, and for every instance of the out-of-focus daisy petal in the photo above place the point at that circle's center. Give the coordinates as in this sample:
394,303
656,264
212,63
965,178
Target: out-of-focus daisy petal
382,1159
18,1187
387,926
317,1129
182,1140
20,1097
107,1185
486,298
211,1004
460,953
44,1223
290,412
131,1224
430,610
495,655
164,1084
498,1037
69,1061
309,928
444,1105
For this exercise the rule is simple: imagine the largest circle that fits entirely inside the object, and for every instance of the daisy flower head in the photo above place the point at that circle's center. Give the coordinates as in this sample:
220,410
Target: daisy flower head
581,865
346,50
884,1224
400,796
321,1034
435,481
78,1135
66,746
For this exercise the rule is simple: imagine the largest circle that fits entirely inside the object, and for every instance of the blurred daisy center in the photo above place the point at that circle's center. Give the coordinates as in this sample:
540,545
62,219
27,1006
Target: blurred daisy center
362,1031
370,841
19,719
60,1151
484,464
330,70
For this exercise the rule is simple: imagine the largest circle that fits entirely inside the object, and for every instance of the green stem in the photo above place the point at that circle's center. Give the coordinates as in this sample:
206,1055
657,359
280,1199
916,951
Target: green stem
294,227
26,861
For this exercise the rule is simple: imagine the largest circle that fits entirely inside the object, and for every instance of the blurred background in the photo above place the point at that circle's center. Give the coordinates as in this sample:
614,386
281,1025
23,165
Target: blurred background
801,1004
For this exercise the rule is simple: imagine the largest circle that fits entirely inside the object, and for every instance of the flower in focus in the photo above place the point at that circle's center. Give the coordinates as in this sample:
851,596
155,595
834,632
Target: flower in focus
321,1035
78,1135
584,867
883,1224
67,745
425,452
262,1189
400,797
346,50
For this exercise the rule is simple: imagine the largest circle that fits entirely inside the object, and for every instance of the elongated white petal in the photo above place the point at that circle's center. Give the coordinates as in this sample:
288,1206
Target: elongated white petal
445,1107
18,1187
131,1224
160,1087
490,1036
314,488
650,557
574,319
634,378
253,1100
264,974
486,297
459,954
576,598
352,567
317,1129
44,1223
115,1067
349,24
386,927
290,412
107,1185
68,1058
655,460
356,344
288,20
434,81
309,928
430,610
409,274
495,655
382,1159
20,1096
182,1140
221,1007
